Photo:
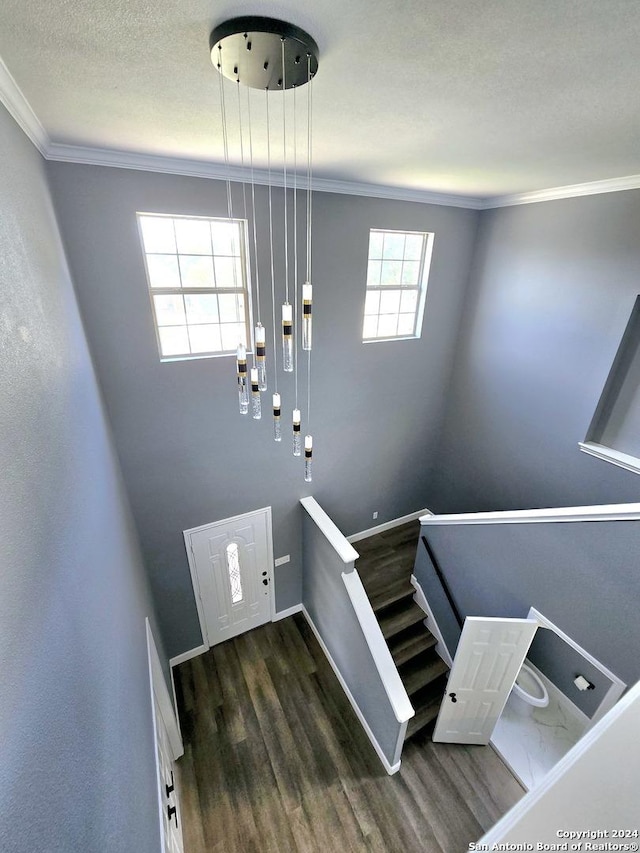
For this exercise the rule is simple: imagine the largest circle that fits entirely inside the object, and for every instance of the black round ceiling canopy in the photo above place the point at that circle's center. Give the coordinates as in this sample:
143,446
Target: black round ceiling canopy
249,50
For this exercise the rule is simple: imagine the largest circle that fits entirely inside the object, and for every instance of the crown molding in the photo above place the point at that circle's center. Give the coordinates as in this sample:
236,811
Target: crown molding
13,98
217,171
611,185
18,106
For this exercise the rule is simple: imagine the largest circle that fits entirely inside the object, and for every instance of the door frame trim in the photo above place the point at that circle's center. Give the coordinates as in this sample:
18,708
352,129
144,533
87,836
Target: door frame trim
266,511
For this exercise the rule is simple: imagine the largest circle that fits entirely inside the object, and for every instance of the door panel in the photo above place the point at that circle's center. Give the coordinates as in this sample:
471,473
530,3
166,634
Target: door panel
171,817
232,575
489,656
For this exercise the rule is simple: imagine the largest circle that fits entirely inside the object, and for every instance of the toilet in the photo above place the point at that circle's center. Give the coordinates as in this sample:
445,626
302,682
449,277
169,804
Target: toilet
528,691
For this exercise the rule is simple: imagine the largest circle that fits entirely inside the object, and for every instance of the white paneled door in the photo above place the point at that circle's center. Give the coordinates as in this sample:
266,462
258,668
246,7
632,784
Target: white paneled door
169,804
231,569
489,656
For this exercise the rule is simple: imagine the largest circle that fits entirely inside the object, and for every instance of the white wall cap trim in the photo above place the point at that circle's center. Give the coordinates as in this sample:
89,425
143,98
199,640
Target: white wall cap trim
608,454
387,525
390,768
343,548
387,670
603,512
610,185
12,97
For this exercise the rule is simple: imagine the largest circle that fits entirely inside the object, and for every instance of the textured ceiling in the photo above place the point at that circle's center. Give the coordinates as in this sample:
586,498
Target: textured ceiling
462,96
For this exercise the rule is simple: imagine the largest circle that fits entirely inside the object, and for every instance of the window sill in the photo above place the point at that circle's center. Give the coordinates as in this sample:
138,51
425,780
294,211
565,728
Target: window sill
384,340
608,454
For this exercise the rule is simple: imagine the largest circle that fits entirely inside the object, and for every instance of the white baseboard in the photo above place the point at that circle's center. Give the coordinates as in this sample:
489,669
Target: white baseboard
192,653
421,600
290,611
390,768
388,525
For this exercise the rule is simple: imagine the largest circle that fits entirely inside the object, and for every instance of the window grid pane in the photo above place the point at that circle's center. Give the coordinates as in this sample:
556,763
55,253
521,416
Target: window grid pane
198,284
395,281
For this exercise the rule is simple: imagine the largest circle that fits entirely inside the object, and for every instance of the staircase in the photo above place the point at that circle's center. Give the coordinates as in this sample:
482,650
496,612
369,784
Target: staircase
412,646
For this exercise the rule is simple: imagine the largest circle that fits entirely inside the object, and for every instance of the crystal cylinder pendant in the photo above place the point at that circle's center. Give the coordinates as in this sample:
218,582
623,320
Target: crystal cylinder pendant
287,337
256,408
308,453
297,444
277,428
243,388
306,315
261,359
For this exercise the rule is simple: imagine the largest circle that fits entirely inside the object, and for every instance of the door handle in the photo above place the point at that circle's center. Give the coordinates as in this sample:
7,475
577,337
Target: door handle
265,581
170,788
171,813
453,697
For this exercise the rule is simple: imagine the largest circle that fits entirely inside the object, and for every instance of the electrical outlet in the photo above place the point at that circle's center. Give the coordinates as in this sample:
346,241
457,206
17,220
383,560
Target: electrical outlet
280,561
375,515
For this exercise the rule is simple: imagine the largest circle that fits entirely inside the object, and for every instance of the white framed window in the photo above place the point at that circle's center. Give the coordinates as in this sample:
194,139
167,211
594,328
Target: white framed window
197,275
397,274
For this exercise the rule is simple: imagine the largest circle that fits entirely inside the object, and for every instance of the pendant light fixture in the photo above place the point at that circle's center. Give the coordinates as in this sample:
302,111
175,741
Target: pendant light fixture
243,390
277,429
256,403
296,433
272,56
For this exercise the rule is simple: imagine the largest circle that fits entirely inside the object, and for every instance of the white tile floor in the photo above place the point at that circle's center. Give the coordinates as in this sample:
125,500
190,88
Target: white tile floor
531,741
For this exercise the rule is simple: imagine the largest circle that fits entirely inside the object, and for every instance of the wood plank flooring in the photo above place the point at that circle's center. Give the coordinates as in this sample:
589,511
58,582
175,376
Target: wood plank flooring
276,760
386,560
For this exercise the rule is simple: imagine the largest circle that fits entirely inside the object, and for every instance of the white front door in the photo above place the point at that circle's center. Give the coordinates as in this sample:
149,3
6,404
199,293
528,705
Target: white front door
231,568
169,805
489,656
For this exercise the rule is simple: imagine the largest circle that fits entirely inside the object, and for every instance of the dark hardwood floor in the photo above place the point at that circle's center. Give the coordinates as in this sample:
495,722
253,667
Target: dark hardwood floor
276,760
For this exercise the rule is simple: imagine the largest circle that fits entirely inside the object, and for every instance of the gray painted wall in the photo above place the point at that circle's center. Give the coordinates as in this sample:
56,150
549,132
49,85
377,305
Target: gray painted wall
551,291
328,604
77,771
582,576
188,457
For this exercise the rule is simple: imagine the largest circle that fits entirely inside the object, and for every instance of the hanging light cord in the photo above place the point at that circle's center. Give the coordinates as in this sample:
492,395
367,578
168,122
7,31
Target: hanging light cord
225,139
244,184
309,213
295,243
244,205
309,168
253,203
273,285
284,162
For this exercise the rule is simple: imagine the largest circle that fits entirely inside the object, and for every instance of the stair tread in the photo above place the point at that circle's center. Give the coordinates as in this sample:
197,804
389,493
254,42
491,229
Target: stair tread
423,716
411,646
417,677
391,595
392,623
